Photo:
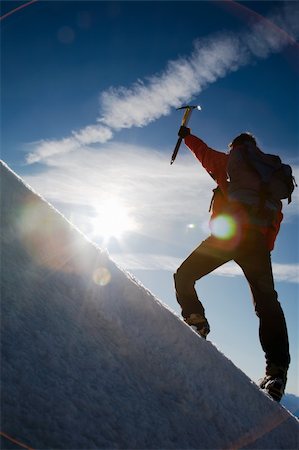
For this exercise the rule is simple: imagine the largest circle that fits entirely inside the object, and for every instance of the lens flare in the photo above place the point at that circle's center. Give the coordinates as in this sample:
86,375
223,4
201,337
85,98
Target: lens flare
101,276
46,237
224,227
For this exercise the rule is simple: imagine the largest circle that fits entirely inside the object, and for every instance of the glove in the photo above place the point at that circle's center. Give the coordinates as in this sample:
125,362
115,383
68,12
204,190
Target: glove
183,132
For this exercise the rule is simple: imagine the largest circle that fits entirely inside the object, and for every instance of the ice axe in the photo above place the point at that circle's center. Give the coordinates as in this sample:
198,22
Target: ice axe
186,117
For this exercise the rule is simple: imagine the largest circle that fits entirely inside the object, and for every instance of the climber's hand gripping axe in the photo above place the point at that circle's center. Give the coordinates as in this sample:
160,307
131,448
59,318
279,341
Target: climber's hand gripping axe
186,118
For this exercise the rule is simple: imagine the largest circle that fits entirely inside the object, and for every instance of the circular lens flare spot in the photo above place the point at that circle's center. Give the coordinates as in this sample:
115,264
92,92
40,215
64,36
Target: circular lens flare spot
66,35
224,227
101,276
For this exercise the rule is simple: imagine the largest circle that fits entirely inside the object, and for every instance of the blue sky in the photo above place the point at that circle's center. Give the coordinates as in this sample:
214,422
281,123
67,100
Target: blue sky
89,98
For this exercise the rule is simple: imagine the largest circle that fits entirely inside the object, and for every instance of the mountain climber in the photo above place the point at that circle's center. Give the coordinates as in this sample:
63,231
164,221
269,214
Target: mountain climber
244,232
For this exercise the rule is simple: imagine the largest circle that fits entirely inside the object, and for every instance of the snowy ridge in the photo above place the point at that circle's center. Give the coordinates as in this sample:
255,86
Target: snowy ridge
91,360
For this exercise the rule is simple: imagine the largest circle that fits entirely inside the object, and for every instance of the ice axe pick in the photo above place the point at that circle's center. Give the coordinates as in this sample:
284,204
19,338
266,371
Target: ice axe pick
186,118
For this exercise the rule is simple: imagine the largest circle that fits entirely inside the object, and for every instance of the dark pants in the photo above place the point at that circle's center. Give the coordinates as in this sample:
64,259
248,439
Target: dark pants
252,255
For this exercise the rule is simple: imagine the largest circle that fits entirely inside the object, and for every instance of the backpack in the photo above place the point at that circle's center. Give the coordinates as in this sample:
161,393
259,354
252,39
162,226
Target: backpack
277,178
259,179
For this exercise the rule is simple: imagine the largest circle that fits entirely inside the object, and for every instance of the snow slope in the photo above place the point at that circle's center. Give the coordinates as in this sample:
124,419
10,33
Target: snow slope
91,360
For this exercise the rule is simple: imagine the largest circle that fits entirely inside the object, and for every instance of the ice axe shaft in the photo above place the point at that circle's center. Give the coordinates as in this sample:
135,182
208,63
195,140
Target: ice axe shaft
185,120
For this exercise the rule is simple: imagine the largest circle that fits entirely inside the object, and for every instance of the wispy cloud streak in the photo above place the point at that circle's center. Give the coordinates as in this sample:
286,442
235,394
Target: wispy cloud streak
146,101
182,79
91,134
211,59
140,261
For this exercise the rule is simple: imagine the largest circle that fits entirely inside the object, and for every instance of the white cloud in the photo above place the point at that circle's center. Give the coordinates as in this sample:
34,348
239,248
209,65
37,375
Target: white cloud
266,37
147,101
144,261
212,58
282,272
93,134
182,79
158,194
286,272
45,149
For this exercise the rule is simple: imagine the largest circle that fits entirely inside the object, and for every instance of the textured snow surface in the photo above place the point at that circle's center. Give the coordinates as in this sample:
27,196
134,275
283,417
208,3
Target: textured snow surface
91,360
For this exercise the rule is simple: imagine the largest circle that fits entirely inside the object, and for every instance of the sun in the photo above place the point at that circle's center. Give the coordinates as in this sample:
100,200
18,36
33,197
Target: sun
113,219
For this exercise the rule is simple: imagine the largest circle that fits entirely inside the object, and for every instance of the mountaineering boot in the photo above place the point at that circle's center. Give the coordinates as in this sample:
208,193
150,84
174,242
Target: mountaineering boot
199,324
274,386
274,382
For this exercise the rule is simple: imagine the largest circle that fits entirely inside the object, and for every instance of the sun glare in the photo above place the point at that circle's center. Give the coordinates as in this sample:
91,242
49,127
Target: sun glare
113,219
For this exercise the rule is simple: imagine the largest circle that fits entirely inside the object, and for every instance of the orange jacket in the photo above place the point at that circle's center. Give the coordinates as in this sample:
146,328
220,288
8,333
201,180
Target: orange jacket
215,163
